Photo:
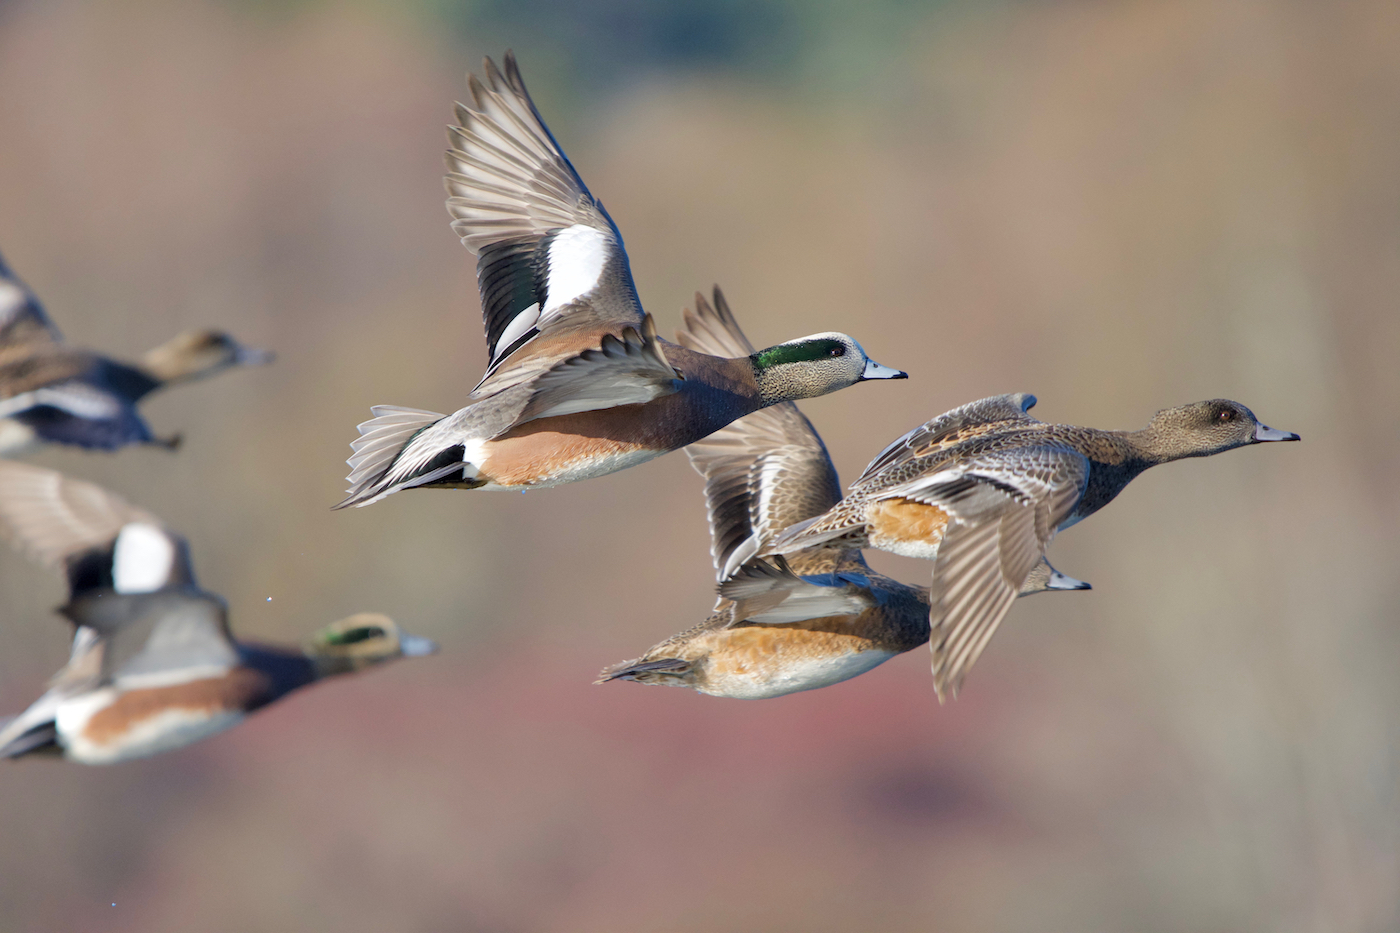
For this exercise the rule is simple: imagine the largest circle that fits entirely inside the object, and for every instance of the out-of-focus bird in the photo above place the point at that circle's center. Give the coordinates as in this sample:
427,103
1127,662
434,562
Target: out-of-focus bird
52,392
153,665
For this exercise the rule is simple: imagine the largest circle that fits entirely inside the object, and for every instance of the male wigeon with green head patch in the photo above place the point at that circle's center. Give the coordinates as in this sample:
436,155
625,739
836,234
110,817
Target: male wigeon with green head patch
153,665
577,383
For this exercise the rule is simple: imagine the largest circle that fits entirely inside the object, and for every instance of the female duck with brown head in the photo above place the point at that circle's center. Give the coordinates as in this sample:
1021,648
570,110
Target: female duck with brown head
577,383
823,616
153,665
982,489
51,392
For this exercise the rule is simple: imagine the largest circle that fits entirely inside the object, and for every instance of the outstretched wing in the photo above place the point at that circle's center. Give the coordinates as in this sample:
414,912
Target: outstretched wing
550,261
22,318
763,472
1003,509
99,539
946,427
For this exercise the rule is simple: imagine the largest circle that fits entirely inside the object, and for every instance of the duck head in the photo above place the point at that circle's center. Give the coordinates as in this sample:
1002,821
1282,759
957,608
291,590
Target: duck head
363,640
813,366
1205,428
199,353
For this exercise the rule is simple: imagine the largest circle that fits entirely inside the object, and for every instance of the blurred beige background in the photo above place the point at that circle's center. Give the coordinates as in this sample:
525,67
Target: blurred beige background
1117,206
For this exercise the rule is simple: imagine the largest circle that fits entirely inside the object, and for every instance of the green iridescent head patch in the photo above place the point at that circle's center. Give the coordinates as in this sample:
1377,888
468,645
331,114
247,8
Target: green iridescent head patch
806,351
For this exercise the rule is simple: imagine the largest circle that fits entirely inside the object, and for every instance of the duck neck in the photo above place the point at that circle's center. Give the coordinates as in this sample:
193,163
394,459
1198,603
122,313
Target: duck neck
168,363
778,383
326,665
1153,447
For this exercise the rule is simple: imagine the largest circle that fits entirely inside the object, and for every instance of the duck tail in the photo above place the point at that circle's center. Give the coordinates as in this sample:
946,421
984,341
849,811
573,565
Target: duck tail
19,737
659,670
376,453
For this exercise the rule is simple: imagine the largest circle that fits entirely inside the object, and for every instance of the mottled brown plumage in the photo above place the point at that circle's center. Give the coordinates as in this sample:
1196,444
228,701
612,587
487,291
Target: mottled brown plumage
822,616
982,489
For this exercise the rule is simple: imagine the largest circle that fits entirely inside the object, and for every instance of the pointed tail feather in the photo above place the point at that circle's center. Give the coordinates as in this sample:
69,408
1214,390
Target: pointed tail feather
382,439
634,670
20,737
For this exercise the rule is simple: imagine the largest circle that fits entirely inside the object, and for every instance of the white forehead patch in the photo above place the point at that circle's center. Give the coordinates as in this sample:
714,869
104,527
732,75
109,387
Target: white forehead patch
143,559
577,255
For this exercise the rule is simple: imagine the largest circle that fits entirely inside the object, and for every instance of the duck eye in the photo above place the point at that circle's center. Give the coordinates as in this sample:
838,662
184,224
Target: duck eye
1225,415
837,350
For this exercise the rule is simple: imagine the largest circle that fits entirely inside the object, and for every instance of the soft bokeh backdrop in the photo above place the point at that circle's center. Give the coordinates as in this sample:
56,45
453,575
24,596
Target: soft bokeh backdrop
1117,206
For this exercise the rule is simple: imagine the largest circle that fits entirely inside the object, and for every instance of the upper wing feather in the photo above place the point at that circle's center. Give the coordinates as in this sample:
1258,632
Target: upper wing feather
763,472
22,318
932,434
68,523
547,251
1005,508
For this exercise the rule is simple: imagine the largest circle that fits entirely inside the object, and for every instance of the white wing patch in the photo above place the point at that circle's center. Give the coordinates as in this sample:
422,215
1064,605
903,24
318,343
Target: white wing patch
577,255
521,323
12,299
81,401
143,559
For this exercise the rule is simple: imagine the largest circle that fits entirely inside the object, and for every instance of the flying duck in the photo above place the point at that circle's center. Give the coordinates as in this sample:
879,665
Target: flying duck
51,392
781,626
153,665
577,383
981,490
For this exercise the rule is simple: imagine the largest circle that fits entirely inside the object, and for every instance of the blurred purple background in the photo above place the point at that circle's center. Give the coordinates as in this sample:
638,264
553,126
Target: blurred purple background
1117,206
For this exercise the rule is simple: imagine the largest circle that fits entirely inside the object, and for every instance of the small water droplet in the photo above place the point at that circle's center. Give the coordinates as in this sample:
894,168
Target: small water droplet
269,599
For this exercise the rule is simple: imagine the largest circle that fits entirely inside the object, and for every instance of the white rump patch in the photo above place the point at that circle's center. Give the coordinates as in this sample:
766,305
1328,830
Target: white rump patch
577,255
143,559
519,325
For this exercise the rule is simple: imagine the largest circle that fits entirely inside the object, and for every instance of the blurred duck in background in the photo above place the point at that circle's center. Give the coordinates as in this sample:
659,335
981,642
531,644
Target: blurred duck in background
787,625
577,383
50,392
981,490
153,665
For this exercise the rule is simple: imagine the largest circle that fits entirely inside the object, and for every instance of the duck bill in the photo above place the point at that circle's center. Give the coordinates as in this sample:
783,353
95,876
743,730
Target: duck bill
252,356
874,370
1060,581
1263,433
412,646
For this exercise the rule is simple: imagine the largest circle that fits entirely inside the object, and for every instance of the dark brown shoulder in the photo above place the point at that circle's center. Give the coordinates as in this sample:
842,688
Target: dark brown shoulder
731,375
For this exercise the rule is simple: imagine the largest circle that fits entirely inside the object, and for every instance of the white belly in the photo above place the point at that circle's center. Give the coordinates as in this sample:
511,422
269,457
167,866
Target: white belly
922,549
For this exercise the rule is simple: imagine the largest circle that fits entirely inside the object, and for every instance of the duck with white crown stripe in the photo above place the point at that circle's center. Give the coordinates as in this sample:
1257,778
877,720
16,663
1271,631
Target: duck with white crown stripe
51,392
578,384
153,666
